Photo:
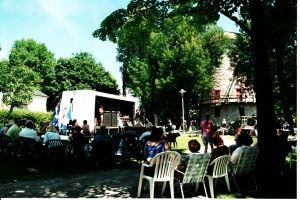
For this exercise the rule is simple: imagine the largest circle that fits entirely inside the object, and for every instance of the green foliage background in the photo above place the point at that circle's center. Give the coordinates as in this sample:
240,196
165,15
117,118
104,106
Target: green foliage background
37,117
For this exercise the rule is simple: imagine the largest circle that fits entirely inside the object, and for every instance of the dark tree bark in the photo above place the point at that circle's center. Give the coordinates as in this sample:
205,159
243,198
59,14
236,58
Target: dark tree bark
266,166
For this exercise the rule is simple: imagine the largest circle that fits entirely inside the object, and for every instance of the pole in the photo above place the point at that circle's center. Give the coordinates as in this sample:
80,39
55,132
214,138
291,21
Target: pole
182,91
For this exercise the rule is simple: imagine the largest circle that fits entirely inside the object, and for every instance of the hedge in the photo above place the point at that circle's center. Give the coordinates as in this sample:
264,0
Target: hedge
36,117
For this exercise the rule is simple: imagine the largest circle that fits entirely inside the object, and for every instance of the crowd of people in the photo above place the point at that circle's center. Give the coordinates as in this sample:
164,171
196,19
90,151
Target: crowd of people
154,140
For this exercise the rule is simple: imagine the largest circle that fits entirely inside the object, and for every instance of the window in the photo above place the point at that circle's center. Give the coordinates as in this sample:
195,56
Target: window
217,111
239,94
217,94
242,111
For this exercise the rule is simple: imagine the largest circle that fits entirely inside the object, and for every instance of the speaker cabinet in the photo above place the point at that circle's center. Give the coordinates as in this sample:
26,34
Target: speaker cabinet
110,119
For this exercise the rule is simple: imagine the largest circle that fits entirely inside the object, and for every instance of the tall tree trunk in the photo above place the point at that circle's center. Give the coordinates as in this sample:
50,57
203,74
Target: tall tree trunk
267,167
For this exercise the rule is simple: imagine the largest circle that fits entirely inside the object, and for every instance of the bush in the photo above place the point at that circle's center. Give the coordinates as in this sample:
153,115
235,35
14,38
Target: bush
36,117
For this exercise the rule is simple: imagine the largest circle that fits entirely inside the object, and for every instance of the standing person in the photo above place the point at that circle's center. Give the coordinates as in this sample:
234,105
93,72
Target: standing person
137,116
55,114
101,115
223,124
207,127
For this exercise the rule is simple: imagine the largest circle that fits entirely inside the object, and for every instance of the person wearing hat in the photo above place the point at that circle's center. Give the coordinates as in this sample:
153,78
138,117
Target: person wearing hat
207,127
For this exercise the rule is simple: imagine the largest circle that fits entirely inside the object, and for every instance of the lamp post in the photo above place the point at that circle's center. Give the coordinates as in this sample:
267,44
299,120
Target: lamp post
182,91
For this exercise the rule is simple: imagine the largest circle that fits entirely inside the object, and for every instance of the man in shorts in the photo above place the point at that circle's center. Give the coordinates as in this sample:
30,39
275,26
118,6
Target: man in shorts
207,127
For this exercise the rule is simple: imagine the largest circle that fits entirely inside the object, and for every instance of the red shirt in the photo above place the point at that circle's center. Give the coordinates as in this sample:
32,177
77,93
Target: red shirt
208,128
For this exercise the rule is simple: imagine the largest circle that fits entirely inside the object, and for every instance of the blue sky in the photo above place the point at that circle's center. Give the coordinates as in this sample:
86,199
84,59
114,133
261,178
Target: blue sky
65,27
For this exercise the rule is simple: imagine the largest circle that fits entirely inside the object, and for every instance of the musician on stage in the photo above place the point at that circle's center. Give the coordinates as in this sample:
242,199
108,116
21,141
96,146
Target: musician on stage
101,114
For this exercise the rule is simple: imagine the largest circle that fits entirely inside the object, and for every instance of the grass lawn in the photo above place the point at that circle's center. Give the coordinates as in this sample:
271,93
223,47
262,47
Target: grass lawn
182,142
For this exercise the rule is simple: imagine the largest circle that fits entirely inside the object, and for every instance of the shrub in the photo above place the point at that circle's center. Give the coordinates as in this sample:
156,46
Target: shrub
36,117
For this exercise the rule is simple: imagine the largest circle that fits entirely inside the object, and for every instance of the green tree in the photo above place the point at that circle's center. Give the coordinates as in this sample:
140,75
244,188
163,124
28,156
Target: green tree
83,72
39,59
18,83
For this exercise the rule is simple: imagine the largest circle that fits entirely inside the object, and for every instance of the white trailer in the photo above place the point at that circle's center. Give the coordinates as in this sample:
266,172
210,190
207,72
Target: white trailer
85,104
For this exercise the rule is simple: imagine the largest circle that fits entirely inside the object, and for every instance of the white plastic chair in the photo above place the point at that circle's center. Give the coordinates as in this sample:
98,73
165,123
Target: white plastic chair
165,164
245,164
195,171
219,170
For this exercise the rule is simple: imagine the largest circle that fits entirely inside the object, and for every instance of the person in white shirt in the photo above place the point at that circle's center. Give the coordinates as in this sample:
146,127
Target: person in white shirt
28,131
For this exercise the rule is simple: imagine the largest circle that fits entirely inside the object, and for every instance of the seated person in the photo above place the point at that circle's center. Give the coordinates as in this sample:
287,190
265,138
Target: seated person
86,128
78,140
220,150
174,131
194,147
28,131
241,139
245,142
43,127
101,135
153,147
6,127
14,130
51,134
145,135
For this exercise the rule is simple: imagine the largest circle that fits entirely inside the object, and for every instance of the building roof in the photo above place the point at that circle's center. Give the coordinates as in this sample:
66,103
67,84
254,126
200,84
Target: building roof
39,93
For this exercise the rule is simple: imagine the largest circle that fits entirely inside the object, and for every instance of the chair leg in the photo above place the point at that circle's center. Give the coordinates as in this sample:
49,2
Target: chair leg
163,188
171,183
205,189
211,186
140,187
181,188
227,182
197,187
151,183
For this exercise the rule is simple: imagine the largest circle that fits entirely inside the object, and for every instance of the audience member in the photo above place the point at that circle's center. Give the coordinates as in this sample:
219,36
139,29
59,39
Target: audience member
51,134
153,147
245,141
101,135
174,131
220,150
43,127
207,128
86,128
241,139
73,125
28,131
6,127
145,134
15,129
286,126
194,147
78,141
